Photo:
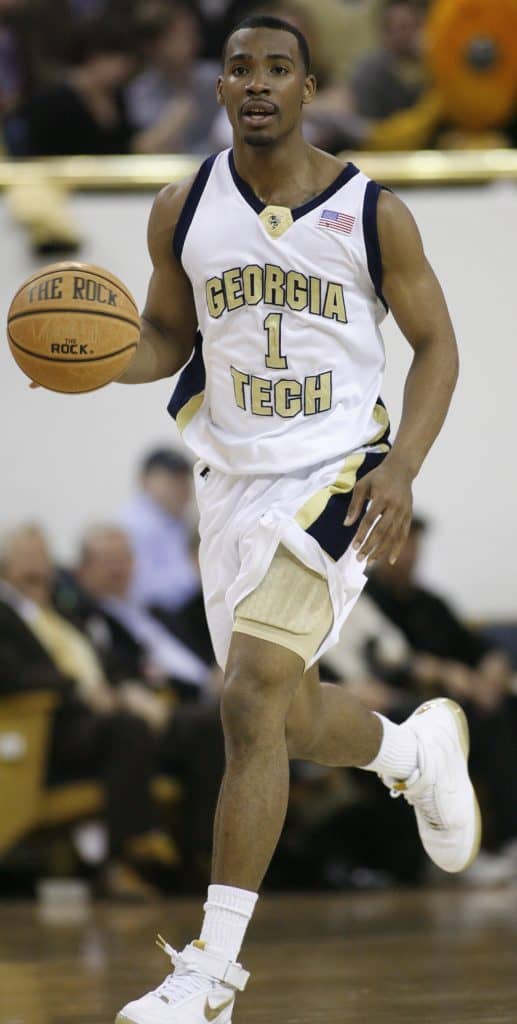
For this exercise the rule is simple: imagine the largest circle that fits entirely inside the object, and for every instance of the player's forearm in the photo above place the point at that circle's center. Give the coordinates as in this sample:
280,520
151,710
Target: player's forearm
157,356
428,391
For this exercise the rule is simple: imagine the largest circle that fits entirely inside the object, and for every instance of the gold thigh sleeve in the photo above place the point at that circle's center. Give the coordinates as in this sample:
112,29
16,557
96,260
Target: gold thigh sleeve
291,607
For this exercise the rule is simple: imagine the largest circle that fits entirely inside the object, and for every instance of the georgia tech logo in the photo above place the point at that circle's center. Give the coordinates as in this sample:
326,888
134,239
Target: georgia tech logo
276,220
212,1012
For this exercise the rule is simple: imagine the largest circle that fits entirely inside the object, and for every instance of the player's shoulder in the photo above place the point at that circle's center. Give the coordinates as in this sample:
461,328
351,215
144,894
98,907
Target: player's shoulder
169,202
165,214
391,208
398,233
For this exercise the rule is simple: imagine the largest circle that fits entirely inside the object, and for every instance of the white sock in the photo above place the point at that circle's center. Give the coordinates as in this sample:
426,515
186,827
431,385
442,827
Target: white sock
398,753
227,914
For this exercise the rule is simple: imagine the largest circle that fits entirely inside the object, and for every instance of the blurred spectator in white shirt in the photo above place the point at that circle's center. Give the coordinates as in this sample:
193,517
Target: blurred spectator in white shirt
172,102
134,642
157,521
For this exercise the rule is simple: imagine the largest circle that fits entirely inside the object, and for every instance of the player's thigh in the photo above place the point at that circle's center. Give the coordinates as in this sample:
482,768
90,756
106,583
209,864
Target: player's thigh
290,608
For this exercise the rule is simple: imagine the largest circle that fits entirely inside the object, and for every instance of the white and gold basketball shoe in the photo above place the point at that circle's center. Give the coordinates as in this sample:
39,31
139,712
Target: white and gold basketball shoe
201,989
440,790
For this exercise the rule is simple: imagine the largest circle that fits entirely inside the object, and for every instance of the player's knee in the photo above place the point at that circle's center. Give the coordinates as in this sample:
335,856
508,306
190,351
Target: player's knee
254,705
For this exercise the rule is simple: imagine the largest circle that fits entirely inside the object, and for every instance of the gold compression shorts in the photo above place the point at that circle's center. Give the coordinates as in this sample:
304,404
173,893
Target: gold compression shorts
291,607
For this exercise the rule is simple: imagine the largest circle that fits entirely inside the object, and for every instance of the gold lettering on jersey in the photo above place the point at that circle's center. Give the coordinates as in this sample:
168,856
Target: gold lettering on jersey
276,220
334,306
317,393
286,398
261,396
215,297
297,297
247,286
239,381
232,281
315,296
252,284
274,285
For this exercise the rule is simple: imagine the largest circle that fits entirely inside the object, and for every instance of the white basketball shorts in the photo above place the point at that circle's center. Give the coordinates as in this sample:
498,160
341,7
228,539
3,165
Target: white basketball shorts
244,520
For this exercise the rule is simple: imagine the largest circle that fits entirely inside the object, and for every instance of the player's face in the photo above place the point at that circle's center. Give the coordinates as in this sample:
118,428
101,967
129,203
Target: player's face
264,85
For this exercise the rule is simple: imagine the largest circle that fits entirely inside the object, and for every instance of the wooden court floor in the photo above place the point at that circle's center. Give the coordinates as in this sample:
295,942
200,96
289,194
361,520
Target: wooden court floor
429,957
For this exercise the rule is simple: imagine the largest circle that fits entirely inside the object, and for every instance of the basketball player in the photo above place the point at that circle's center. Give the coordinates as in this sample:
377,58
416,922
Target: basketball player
273,268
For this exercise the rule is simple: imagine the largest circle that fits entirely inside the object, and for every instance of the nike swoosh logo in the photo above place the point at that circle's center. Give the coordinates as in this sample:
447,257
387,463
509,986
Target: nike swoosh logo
212,1012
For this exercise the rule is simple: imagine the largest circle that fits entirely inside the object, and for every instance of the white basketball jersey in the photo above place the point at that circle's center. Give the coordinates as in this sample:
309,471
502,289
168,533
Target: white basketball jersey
289,359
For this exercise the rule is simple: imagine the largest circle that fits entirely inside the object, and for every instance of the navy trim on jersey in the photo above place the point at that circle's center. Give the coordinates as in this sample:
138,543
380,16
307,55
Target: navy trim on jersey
371,237
385,439
191,203
256,204
191,380
329,529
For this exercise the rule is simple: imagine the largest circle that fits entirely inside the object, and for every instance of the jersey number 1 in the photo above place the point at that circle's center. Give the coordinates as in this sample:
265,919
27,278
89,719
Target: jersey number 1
274,358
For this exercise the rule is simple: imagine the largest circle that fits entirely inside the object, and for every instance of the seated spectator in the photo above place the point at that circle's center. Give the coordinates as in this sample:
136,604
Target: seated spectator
368,653
12,65
93,734
449,659
449,655
132,642
148,663
172,102
156,519
190,623
83,111
23,61
392,78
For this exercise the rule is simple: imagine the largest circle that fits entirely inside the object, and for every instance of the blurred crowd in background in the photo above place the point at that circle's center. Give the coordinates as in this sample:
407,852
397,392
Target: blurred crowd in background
120,640
137,76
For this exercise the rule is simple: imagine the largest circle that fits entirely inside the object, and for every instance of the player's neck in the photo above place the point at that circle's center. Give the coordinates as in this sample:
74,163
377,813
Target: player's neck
275,173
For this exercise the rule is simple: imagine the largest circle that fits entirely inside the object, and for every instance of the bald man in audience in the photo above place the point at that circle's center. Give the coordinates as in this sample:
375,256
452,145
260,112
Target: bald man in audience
93,734
158,674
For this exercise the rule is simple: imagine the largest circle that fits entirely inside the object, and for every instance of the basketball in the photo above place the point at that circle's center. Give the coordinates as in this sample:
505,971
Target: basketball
73,327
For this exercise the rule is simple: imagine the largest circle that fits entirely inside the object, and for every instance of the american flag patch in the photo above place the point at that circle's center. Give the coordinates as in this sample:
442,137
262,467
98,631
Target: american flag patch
337,221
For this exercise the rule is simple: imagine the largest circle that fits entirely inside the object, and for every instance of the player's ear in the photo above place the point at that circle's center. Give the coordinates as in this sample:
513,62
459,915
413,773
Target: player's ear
309,89
219,91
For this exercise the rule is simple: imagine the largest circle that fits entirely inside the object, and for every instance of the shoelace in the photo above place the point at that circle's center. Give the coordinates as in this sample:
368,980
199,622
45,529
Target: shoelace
425,801
184,981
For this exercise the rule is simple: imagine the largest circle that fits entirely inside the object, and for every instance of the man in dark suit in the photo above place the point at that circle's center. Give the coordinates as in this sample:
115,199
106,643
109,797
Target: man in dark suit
157,674
93,734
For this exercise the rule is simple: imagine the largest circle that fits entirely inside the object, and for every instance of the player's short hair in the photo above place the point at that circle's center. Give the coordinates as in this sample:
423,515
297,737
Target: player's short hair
269,21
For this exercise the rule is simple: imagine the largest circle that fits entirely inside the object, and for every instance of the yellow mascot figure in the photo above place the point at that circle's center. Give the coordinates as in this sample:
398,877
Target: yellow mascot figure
470,49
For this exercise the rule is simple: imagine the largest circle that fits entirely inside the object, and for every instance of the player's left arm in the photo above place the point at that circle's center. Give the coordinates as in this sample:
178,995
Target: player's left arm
418,305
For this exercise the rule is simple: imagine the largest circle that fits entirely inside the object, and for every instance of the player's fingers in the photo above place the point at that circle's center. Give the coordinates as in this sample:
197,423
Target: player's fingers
359,496
34,385
366,524
382,540
399,540
375,541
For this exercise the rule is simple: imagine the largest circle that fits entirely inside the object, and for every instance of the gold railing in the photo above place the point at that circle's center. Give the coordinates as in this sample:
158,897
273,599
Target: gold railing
424,167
